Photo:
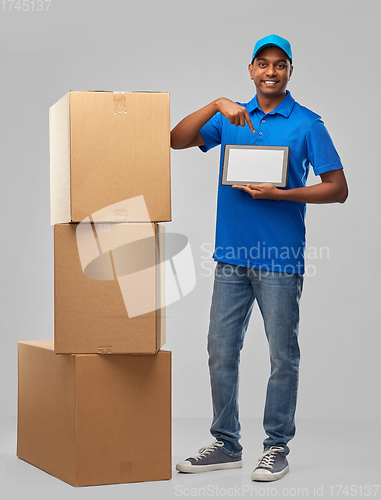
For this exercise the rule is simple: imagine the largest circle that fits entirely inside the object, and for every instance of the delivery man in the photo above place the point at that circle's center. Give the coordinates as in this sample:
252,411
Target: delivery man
260,237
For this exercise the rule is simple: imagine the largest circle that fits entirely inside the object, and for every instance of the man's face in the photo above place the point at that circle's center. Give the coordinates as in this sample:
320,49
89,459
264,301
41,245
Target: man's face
271,71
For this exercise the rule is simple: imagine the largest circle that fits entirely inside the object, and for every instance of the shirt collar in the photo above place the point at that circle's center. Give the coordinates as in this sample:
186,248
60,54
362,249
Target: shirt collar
284,108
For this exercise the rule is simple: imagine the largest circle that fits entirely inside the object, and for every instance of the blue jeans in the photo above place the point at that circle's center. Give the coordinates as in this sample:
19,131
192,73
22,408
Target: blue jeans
278,294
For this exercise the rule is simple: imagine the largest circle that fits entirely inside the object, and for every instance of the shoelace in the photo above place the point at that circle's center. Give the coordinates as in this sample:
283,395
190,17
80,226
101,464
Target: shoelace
205,450
267,459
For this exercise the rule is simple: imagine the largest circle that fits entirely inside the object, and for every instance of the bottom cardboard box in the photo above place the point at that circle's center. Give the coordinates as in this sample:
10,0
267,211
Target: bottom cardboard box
92,419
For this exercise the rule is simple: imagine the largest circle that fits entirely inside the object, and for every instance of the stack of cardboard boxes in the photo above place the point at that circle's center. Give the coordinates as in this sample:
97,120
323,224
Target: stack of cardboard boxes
94,406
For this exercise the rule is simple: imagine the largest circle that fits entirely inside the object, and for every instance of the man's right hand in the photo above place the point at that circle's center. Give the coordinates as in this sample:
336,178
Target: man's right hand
236,114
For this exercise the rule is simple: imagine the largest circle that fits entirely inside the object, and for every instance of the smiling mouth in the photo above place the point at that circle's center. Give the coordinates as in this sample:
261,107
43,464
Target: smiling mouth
270,82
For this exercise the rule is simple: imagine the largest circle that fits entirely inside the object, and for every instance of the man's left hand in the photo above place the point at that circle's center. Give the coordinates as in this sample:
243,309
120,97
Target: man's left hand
265,191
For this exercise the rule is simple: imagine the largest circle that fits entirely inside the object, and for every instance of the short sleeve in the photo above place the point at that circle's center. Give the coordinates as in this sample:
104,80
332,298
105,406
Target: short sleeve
211,133
321,152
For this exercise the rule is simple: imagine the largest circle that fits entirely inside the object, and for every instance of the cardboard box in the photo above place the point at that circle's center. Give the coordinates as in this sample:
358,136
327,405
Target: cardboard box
107,147
109,288
94,419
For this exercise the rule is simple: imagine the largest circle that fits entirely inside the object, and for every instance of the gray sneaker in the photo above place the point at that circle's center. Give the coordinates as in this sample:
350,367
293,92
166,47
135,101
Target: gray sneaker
210,458
272,465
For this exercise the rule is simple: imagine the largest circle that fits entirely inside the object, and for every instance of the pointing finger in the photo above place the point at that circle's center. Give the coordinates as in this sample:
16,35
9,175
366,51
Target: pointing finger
249,121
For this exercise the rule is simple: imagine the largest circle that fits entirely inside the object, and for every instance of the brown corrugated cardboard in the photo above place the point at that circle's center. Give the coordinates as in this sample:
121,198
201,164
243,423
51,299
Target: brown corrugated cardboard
107,147
109,293
94,419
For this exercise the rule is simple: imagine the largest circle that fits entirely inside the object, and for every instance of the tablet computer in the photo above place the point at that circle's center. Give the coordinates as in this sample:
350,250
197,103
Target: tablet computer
254,165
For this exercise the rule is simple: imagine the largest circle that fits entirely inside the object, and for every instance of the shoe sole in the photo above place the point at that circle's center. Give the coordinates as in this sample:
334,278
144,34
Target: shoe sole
192,469
266,476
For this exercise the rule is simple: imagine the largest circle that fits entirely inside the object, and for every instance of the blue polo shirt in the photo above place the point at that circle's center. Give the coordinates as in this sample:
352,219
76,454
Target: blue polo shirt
269,234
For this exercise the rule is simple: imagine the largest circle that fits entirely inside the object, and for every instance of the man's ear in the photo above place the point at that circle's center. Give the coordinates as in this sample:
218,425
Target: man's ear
250,68
291,70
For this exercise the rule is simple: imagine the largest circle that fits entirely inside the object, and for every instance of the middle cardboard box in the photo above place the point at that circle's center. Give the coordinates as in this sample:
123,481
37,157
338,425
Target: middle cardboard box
109,288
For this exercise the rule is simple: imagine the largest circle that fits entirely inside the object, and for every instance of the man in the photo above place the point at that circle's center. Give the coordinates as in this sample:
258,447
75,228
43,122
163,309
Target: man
260,241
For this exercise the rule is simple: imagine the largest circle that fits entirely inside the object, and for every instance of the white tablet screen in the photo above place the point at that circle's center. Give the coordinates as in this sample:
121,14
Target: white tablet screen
255,165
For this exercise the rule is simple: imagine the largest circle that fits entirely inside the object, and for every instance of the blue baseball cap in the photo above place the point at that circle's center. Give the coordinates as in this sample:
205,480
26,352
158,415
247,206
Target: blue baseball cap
273,41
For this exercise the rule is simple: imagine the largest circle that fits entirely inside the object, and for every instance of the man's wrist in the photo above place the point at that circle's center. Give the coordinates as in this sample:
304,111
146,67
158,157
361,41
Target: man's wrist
280,194
217,104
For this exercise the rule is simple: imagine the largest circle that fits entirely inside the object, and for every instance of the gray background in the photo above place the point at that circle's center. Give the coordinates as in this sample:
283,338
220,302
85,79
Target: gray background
199,51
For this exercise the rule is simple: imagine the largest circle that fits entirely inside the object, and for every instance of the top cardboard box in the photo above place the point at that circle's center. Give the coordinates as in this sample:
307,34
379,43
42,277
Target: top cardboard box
108,147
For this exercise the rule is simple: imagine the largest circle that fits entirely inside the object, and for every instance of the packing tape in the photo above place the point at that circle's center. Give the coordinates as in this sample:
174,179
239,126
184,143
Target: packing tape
130,210
120,103
104,350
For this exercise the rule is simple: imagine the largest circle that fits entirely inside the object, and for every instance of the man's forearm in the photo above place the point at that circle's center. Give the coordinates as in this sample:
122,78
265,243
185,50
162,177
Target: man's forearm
186,131
325,192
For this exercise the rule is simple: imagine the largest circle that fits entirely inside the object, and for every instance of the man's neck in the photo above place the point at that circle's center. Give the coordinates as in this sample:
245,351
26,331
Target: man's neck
268,104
